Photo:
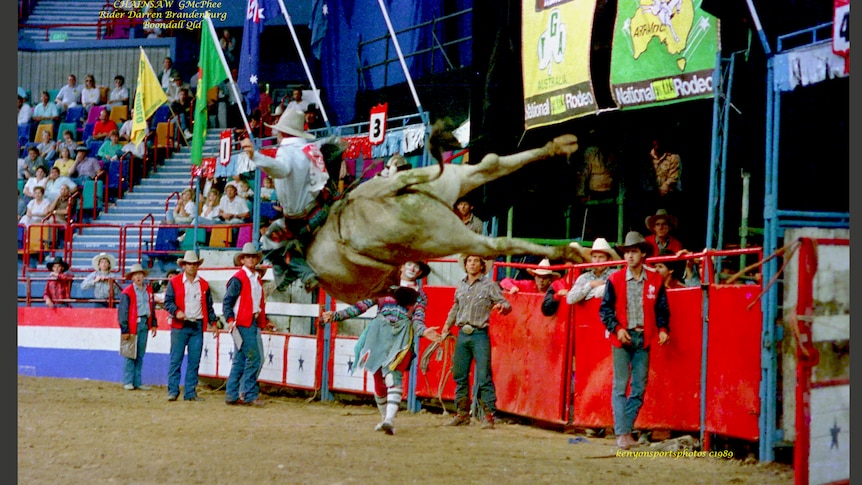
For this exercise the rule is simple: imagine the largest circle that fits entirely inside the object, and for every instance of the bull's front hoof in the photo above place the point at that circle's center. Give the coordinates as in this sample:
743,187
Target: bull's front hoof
564,145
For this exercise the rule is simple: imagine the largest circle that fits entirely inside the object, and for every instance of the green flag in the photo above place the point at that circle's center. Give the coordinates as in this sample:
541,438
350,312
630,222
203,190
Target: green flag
211,72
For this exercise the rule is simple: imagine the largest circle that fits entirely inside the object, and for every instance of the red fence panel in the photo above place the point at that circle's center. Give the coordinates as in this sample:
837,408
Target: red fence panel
733,362
437,382
529,359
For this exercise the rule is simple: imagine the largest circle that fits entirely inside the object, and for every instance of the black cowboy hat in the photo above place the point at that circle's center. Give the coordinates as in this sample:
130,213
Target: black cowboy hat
57,260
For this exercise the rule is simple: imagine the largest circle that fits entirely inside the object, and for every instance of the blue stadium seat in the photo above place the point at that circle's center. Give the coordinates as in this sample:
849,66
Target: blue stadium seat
76,115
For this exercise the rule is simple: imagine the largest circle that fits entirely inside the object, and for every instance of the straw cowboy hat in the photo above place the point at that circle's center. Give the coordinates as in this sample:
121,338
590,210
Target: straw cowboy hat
112,261
136,268
543,270
633,240
292,122
247,250
190,257
488,263
661,214
57,260
601,245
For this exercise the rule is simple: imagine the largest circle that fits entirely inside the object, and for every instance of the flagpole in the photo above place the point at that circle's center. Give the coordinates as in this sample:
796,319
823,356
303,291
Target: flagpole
229,77
304,62
400,55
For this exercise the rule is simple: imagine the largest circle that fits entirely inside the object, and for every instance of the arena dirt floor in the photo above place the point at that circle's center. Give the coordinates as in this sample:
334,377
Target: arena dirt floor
78,431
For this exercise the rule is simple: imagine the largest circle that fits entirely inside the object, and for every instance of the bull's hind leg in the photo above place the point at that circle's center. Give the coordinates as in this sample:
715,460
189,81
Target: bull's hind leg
494,166
490,247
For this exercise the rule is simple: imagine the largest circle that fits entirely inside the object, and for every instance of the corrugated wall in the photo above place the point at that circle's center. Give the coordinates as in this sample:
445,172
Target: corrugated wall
46,70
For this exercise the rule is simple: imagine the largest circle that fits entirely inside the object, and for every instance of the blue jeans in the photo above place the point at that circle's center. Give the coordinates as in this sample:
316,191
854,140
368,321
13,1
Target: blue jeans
246,366
629,361
193,338
476,346
132,367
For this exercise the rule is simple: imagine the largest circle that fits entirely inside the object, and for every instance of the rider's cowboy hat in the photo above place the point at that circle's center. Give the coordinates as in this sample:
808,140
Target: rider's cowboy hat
543,270
247,250
292,122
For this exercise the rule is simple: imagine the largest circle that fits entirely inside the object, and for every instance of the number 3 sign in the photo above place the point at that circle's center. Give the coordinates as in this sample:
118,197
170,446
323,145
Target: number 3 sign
377,127
841,31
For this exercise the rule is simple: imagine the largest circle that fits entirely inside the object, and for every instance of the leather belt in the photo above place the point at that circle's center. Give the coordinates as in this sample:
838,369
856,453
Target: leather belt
639,328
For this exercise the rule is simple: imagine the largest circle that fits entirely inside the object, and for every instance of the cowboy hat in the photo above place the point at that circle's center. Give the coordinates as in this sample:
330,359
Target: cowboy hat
57,260
634,240
136,268
424,269
543,270
110,257
660,214
248,249
81,148
22,93
488,263
190,257
292,122
601,245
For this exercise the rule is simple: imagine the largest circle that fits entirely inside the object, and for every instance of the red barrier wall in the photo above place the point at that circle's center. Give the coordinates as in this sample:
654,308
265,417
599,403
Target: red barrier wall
528,359
672,399
437,382
733,362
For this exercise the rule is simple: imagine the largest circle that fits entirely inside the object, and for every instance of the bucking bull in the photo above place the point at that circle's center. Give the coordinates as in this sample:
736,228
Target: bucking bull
408,216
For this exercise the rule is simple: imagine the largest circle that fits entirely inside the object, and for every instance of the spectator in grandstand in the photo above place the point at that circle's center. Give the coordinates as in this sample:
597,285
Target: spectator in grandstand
138,150
476,296
182,109
541,282
635,313
37,207
45,111
267,192
55,181
185,211
136,315
167,73
189,302
173,91
25,111
210,208
119,96
661,224
244,306
61,208
591,283
111,149
464,210
101,279
85,167
232,208
58,288
47,147
677,274
658,186
389,344
294,102
90,94
33,161
314,118
596,181
40,179
228,46
69,95
67,140
103,126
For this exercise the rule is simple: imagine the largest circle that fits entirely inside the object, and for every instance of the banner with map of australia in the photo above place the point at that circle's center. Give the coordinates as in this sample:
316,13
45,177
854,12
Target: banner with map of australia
664,51
555,36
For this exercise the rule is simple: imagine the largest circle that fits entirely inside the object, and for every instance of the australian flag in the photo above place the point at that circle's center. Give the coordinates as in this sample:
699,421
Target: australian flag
247,78
319,24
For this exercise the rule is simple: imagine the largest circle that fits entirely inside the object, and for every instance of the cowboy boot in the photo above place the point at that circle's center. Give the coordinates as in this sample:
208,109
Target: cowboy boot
462,416
487,416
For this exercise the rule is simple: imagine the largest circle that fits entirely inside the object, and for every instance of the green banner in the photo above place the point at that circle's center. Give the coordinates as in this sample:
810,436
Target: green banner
555,50
664,51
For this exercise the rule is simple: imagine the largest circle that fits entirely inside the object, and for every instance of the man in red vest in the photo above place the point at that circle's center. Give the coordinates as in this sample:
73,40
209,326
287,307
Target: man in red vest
136,315
244,307
635,312
190,303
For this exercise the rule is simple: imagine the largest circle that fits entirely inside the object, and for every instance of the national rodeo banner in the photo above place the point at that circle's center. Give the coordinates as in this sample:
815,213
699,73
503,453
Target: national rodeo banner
664,51
556,37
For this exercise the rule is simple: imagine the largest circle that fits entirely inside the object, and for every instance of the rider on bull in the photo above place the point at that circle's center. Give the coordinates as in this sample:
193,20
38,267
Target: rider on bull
300,178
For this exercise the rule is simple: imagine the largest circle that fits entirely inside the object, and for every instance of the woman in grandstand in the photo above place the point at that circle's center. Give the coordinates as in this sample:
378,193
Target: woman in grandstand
385,348
64,162
37,208
119,96
90,95
47,147
209,211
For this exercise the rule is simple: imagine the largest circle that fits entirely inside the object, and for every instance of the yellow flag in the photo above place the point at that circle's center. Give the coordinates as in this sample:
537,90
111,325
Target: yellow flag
148,97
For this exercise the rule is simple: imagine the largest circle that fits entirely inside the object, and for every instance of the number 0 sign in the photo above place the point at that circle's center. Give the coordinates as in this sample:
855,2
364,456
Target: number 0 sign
224,147
377,126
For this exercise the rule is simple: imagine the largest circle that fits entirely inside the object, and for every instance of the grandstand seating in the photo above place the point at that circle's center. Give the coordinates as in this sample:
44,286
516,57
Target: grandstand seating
73,127
93,114
76,115
54,12
47,126
119,114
